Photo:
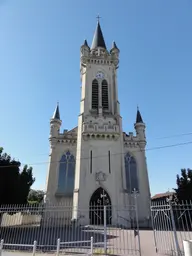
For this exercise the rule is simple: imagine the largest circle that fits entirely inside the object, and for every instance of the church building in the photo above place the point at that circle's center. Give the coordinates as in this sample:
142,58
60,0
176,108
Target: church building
97,162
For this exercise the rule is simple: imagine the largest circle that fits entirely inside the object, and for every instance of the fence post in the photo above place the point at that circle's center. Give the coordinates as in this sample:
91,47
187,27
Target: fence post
91,246
58,247
174,228
1,247
105,229
34,248
153,227
137,219
187,244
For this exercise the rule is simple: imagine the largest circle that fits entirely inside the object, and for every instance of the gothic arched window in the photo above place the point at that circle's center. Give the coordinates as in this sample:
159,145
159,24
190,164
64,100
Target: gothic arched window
95,94
105,100
66,174
131,173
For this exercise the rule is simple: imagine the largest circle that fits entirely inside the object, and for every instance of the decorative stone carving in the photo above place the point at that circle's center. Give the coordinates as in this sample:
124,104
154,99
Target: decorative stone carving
100,176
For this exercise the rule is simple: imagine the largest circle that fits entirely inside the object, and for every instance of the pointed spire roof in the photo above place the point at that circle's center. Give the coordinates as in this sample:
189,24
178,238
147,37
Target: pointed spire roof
56,114
85,43
114,46
138,117
98,39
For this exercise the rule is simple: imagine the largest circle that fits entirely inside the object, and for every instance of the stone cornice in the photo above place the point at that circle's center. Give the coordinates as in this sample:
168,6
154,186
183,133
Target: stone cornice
67,141
101,128
131,144
100,136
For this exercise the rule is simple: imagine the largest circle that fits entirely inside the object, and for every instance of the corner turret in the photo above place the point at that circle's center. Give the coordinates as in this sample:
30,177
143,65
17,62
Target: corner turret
85,49
140,129
115,53
55,123
56,114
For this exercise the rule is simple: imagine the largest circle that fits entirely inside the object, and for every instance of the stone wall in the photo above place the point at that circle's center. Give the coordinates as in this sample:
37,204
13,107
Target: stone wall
18,219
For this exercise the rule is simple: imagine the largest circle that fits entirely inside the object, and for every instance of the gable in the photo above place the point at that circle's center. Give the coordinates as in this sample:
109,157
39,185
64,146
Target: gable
74,130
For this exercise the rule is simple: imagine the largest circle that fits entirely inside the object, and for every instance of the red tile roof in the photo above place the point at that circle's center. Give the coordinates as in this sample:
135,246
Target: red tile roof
162,195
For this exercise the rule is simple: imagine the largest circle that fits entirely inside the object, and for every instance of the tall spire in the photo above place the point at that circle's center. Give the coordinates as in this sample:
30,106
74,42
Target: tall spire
98,39
138,117
56,114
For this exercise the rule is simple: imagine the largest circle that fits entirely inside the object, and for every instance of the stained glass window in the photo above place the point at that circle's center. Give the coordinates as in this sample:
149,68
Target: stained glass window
131,173
66,174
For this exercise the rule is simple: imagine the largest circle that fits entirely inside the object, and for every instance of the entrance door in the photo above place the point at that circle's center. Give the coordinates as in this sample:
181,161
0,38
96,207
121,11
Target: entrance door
99,199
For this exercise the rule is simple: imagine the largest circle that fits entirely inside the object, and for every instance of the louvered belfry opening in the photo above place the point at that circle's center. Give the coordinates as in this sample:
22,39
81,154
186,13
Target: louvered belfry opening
105,100
95,94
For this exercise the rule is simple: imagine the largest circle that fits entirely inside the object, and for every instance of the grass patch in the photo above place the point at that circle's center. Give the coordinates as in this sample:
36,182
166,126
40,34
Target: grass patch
99,251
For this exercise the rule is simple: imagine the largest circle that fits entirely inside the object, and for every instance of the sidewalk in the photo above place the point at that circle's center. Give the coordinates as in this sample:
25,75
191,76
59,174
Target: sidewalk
147,247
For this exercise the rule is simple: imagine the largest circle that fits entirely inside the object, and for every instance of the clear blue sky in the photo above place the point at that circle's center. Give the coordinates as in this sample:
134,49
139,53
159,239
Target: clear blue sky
39,65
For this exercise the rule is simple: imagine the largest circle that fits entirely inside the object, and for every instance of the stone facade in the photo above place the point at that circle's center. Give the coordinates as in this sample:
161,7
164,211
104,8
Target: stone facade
105,156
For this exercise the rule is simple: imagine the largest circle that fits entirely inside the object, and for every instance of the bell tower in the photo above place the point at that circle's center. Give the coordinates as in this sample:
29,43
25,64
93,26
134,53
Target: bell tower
98,76
99,152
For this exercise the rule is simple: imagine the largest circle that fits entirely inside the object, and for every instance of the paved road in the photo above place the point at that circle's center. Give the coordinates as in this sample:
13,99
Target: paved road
28,254
14,254
147,246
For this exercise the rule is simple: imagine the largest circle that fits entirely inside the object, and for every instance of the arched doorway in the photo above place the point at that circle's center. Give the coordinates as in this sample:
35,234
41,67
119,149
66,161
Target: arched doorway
99,199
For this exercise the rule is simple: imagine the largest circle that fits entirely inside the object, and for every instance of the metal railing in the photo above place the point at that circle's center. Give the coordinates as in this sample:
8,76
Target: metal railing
99,229
58,249
33,246
172,223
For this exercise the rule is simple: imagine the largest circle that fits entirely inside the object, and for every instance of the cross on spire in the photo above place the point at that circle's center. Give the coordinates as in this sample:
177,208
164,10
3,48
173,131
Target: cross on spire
98,39
98,17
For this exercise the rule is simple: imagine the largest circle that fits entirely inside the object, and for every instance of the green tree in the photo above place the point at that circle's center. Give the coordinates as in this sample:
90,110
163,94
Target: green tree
15,182
26,180
36,196
184,185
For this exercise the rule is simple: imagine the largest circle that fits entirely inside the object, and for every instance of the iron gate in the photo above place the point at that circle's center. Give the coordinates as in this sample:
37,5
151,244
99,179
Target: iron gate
172,223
